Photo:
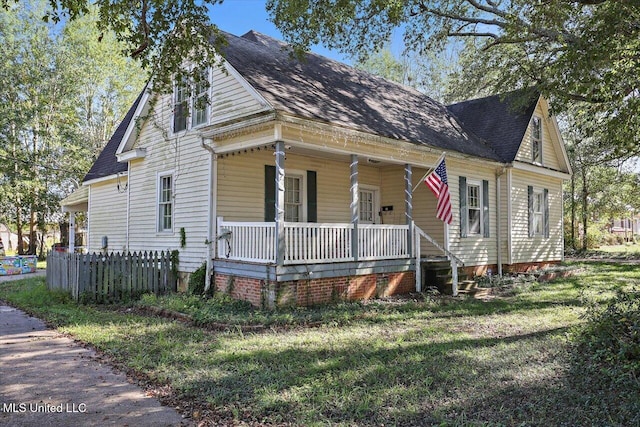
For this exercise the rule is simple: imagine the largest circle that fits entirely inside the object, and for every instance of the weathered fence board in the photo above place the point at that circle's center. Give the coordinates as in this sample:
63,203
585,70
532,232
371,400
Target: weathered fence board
112,277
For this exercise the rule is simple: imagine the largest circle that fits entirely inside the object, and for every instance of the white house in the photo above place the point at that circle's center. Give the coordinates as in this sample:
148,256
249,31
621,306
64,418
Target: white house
300,181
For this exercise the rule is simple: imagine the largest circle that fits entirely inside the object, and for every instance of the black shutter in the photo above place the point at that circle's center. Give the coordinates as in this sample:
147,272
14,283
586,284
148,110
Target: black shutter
530,205
463,206
546,212
312,197
485,208
269,193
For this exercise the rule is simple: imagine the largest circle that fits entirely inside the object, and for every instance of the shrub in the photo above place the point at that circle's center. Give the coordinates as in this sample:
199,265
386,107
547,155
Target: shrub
197,280
606,360
610,341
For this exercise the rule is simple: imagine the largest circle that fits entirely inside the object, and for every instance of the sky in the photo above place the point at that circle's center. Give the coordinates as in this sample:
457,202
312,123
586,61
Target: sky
239,16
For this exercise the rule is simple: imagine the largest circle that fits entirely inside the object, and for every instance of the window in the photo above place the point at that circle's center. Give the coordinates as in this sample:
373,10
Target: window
292,198
190,100
165,203
180,107
474,209
300,195
367,206
538,212
536,140
200,105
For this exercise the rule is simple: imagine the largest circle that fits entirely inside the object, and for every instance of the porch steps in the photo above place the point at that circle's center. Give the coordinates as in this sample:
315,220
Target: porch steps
437,274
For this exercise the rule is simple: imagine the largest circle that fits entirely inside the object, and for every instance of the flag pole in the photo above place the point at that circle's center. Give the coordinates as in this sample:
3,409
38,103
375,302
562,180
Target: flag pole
429,171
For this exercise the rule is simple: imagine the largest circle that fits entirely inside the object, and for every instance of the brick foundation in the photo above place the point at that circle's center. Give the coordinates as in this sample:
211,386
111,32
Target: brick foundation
526,267
270,294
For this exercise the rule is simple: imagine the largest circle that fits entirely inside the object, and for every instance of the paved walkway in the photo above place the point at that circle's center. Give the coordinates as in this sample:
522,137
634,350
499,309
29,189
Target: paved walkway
38,273
47,379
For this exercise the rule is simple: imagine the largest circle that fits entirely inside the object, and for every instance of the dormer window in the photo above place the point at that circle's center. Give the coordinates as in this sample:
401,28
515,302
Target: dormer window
536,140
191,101
200,105
180,107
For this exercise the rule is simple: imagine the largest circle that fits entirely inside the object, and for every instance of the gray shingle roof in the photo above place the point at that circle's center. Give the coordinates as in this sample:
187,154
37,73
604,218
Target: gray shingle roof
329,91
106,164
501,120
321,89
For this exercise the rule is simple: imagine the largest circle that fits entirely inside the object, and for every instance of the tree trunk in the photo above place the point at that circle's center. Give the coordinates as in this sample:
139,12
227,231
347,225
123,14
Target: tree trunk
33,232
585,217
19,230
573,212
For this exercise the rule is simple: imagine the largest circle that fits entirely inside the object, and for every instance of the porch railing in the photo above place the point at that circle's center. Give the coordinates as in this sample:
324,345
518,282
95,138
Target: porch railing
311,242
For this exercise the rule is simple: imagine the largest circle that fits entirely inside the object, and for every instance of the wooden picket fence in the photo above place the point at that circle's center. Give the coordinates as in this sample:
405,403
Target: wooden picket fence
111,278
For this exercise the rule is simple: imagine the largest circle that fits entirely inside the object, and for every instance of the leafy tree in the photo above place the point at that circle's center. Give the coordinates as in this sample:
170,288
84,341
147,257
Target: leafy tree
60,99
581,50
601,188
162,34
429,73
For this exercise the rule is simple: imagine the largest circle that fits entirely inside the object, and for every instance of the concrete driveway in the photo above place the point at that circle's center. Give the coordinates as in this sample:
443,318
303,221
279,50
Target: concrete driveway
46,379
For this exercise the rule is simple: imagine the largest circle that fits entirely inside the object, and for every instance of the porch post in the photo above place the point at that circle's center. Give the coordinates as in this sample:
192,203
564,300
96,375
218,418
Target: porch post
355,215
408,205
280,243
72,232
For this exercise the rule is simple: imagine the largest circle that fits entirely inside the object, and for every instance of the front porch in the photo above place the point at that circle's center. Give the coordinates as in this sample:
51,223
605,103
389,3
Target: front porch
320,263
311,243
336,225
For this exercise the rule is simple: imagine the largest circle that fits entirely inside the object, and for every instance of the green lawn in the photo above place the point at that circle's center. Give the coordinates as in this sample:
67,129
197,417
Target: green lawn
447,361
621,249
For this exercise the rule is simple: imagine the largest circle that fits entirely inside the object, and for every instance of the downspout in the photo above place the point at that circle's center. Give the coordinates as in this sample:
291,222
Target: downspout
212,196
509,218
499,174
126,238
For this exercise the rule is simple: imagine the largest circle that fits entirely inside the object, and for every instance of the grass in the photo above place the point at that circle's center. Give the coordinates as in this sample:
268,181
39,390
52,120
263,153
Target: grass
426,361
621,249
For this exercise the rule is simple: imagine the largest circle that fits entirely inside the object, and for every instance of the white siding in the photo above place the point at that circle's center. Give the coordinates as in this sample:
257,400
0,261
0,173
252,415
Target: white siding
549,154
182,155
473,250
241,184
107,215
230,98
535,249
189,164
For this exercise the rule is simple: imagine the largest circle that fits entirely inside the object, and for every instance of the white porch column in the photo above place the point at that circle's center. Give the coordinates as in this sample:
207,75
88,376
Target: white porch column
355,208
72,232
408,205
280,243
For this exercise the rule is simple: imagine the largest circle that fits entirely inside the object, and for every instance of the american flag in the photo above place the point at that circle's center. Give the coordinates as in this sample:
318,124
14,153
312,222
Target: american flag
437,182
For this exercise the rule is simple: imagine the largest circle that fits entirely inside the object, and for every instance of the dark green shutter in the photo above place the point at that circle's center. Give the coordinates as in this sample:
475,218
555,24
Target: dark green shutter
463,206
485,208
312,197
269,193
530,205
546,212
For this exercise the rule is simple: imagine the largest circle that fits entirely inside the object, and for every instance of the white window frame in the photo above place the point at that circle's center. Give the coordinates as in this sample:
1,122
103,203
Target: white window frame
538,215
536,141
375,203
160,203
478,185
189,105
180,102
302,209
198,93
